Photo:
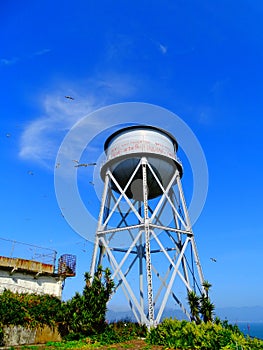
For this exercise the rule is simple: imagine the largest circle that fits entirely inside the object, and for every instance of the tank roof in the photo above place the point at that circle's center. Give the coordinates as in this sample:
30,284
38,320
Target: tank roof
149,127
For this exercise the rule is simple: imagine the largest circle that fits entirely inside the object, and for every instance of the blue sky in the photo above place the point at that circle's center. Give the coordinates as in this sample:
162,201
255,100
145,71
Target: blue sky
201,60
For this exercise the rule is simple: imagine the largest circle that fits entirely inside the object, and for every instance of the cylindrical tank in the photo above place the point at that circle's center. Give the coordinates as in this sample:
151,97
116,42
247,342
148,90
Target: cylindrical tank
125,148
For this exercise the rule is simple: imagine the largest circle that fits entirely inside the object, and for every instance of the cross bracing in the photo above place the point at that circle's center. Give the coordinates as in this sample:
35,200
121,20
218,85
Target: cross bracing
148,243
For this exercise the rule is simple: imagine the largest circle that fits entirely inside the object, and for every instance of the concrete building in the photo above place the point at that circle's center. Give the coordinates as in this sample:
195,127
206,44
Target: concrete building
32,276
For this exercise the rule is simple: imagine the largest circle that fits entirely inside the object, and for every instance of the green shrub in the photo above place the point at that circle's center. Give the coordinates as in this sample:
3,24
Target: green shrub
29,310
85,313
1,335
116,332
82,315
126,330
205,336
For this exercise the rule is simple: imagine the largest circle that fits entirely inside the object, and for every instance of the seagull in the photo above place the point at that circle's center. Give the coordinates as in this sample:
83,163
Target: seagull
69,97
30,172
213,259
83,164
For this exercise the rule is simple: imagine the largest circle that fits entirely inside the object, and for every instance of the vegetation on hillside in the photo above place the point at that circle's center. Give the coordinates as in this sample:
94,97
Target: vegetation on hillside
29,310
203,332
82,315
85,313
81,320
209,335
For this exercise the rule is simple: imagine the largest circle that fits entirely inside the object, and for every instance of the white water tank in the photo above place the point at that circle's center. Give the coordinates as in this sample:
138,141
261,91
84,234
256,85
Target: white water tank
124,150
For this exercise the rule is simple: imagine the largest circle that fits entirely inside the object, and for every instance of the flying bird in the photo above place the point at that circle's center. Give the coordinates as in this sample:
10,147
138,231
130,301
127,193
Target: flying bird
30,172
69,97
213,259
83,164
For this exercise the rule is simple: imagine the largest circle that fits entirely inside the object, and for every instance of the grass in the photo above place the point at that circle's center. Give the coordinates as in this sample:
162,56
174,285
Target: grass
85,344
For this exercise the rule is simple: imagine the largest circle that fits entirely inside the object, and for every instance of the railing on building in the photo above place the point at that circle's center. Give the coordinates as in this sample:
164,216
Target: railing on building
15,249
16,255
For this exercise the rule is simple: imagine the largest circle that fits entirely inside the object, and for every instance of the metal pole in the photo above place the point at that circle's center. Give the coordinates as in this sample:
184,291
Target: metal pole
192,240
147,243
96,245
140,255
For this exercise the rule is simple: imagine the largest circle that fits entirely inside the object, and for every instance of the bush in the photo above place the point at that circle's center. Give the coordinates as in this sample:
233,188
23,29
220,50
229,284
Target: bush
85,313
206,336
116,332
1,336
126,330
29,310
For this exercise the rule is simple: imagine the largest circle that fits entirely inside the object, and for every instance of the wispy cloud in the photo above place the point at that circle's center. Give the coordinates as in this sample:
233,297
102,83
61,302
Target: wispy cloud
208,114
41,52
41,138
159,45
13,60
116,85
8,61
163,49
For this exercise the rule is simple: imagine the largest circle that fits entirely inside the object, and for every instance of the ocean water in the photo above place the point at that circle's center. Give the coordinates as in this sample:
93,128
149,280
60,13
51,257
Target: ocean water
253,329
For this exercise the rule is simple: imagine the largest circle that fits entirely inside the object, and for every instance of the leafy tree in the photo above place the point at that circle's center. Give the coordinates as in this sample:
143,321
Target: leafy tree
85,313
206,286
206,308
194,304
201,304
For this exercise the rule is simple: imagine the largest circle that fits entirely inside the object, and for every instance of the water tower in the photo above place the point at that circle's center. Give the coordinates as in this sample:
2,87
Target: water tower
144,233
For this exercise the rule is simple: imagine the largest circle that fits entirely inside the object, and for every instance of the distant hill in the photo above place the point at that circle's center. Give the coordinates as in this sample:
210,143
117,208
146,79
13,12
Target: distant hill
232,314
113,316
128,315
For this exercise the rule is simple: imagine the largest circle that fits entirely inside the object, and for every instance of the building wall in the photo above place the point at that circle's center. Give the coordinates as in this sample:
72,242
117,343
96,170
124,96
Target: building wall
18,335
28,283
